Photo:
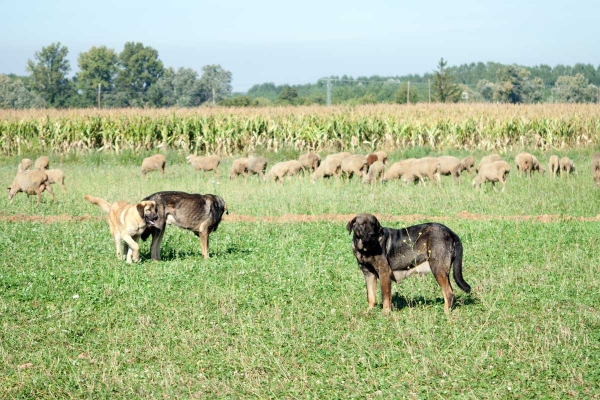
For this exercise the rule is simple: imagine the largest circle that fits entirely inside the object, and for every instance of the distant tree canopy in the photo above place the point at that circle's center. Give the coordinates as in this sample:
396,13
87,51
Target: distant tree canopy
136,77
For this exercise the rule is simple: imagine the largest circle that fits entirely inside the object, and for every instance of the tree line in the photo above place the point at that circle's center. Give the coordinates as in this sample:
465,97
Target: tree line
136,77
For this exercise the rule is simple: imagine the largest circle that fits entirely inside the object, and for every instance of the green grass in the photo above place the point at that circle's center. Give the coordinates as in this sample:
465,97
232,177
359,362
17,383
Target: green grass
279,310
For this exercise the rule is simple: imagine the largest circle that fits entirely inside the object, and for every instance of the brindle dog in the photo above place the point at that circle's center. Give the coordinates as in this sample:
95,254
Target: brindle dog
199,213
394,254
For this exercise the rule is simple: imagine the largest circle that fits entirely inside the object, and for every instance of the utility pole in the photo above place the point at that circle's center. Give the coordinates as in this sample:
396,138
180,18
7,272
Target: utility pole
98,95
429,84
328,92
408,93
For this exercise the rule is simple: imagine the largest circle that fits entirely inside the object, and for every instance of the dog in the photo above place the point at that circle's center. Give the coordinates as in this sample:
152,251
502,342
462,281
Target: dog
200,213
127,222
394,254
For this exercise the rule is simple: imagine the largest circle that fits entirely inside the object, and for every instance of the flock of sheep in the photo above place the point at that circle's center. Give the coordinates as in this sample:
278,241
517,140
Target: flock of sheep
34,178
375,166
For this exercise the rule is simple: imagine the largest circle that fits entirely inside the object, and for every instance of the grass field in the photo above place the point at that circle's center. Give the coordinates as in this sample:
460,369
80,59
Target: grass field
278,311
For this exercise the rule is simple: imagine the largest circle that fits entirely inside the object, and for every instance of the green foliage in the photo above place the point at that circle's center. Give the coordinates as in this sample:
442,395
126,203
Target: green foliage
14,94
48,75
216,83
139,69
180,88
401,96
574,89
97,67
443,87
240,101
288,95
515,86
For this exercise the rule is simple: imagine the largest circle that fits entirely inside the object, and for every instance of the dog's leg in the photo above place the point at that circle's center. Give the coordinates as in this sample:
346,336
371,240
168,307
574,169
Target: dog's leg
440,267
384,271
117,239
134,249
371,283
204,243
157,235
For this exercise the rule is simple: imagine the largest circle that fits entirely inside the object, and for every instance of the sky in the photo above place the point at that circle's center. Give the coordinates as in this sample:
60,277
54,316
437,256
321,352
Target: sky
299,42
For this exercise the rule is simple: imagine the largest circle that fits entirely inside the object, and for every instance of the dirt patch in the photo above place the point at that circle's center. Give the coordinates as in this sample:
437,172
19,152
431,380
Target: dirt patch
297,218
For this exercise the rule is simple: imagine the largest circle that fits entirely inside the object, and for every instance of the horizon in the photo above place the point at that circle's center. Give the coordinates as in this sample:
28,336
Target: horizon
265,42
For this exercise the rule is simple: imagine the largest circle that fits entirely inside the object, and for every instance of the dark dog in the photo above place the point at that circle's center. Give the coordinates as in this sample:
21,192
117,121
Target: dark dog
394,254
200,213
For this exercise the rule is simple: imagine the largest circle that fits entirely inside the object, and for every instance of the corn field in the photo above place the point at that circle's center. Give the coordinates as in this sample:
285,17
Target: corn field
231,131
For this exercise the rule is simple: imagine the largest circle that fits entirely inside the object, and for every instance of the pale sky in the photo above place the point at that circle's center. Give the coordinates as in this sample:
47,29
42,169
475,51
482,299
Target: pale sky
298,42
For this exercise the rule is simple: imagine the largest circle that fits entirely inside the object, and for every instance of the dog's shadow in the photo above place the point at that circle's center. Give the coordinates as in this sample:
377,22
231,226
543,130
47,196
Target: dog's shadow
400,301
171,254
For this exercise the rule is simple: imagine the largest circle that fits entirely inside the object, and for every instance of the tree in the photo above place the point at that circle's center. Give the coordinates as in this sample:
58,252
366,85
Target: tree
512,85
239,101
216,82
288,95
48,75
486,89
14,94
140,69
400,96
574,89
444,88
180,89
97,67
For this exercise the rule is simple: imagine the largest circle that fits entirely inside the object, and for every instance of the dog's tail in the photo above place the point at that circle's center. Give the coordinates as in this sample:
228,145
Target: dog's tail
457,267
103,204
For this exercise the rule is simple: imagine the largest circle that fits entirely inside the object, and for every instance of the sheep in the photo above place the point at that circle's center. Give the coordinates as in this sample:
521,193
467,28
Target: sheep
467,163
371,158
537,166
154,163
42,162
284,168
450,165
257,165
495,171
566,166
339,156
310,161
397,170
239,167
30,182
327,169
423,167
382,156
489,158
208,163
554,165
24,165
354,165
56,176
376,170
524,163
596,168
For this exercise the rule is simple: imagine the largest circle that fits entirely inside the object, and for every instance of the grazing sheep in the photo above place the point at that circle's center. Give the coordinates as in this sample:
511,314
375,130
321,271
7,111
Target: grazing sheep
42,162
596,168
284,168
310,161
566,166
375,171
56,176
554,165
421,168
398,169
239,167
495,171
24,165
208,163
30,182
371,158
537,166
382,156
524,163
450,165
487,159
257,165
156,162
354,165
339,156
467,163
327,169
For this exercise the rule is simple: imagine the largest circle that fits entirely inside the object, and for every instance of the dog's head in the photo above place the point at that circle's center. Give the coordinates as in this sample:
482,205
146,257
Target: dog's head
367,231
148,211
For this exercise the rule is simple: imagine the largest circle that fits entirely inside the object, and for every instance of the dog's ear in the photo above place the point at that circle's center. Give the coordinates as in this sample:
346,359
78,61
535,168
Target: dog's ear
350,225
140,209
